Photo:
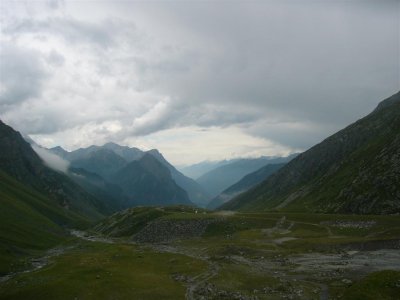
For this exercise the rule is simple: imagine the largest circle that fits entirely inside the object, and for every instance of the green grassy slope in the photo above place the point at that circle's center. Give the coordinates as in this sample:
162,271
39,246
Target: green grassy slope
29,223
106,271
355,170
383,285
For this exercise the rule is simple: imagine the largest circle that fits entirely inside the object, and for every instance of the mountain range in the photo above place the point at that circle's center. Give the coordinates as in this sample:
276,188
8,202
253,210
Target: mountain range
196,170
109,160
222,177
244,185
148,182
356,170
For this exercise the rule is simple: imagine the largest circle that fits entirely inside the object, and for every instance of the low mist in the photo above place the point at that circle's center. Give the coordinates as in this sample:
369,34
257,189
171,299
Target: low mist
51,160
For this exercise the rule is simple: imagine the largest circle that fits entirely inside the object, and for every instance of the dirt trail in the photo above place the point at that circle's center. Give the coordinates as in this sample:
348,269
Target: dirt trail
195,282
91,238
37,263
41,262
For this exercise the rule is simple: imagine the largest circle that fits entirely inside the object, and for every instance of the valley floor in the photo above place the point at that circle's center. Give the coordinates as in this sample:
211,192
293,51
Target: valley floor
236,256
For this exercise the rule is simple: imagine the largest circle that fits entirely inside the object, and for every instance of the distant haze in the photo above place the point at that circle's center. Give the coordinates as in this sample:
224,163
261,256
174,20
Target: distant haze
198,80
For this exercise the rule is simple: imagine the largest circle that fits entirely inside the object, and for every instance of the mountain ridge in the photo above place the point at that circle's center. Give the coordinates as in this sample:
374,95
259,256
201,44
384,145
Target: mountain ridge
244,184
219,179
93,159
355,170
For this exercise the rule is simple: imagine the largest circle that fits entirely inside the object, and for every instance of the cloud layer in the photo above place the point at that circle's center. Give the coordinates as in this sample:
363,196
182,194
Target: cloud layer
281,75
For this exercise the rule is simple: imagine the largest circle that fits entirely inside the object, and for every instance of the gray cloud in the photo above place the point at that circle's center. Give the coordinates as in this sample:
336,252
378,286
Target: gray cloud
21,74
284,71
55,58
55,4
327,60
72,30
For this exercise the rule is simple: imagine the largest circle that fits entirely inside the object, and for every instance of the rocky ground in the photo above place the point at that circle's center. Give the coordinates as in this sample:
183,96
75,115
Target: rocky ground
164,230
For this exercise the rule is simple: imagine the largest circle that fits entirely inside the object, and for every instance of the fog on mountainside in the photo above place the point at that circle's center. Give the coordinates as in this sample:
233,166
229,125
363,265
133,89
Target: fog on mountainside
51,160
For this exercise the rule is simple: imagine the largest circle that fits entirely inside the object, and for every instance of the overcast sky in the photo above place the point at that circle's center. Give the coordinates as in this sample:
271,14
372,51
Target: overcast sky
196,79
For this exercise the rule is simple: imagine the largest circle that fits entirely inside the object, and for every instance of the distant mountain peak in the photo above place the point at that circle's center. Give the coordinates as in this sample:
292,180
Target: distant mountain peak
149,157
59,148
154,151
388,102
112,145
157,154
126,152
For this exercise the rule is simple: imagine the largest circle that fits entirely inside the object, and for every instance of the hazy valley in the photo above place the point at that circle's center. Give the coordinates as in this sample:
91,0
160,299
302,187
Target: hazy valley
86,231
199,150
